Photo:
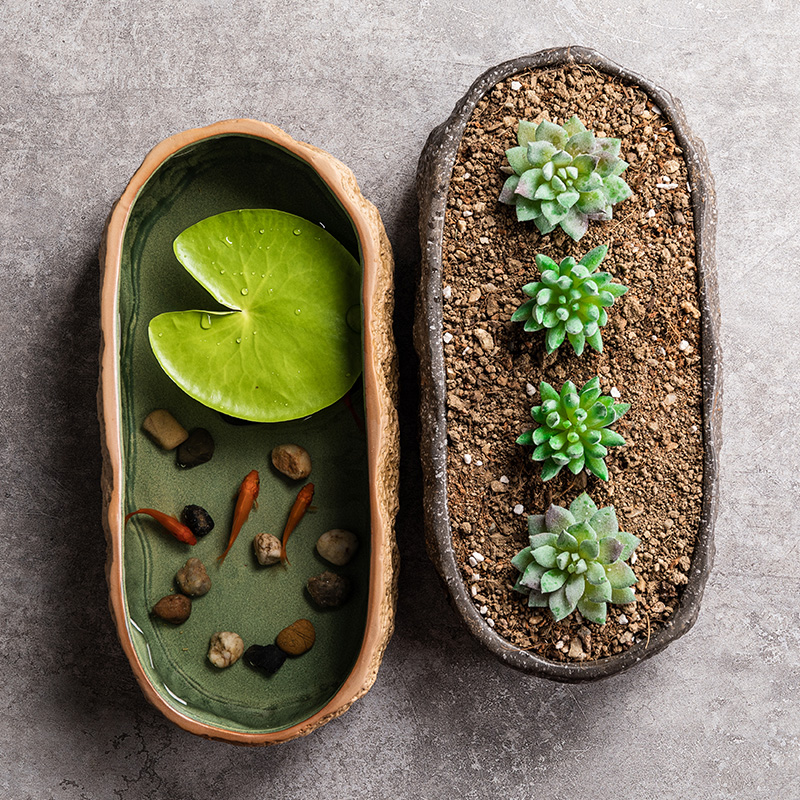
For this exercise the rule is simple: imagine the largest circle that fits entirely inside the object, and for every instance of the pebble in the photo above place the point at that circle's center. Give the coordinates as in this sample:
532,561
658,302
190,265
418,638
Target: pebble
197,520
530,389
448,337
684,345
485,339
518,509
467,458
337,546
516,86
483,610
447,292
472,561
197,449
478,557
174,608
504,479
328,589
267,549
576,649
473,590
292,460
615,393
623,620
490,622
268,657
164,429
297,639
226,648
193,579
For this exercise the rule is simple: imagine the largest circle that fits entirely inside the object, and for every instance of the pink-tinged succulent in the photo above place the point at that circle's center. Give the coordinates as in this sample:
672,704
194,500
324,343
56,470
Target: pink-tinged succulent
564,176
576,559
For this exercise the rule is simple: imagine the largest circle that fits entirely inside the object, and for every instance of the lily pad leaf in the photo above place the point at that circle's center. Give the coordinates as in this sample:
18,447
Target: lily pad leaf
291,343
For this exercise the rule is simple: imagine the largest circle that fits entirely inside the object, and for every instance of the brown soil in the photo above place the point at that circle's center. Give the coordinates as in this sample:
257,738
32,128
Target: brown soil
651,356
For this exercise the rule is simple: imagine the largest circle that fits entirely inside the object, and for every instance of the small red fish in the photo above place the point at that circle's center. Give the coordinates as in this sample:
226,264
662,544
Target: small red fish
301,504
246,499
176,528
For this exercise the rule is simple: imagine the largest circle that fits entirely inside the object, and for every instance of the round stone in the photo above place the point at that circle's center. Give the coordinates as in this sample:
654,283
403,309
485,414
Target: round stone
328,590
297,639
174,608
337,546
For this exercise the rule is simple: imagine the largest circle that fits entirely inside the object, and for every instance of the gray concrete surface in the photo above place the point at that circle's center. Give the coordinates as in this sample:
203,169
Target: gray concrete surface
87,88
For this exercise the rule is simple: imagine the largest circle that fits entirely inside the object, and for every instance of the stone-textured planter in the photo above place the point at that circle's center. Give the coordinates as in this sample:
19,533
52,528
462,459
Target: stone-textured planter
433,182
229,165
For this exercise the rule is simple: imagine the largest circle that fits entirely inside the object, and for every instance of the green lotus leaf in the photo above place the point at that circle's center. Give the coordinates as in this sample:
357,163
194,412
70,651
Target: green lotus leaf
291,343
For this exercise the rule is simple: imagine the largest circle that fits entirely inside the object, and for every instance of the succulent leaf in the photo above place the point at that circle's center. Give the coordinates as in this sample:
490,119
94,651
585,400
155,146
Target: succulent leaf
576,565
573,169
594,612
522,559
583,507
622,597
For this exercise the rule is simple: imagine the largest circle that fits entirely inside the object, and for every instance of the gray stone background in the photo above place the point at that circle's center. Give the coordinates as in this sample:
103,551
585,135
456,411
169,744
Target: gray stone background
88,87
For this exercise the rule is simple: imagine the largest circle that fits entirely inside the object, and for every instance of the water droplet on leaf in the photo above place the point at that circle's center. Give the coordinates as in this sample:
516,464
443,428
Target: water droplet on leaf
205,321
297,231
245,290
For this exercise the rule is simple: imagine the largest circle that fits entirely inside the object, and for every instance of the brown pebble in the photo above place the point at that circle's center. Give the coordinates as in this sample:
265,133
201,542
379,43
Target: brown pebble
297,639
328,589
292,460
174,608
164,429
193,579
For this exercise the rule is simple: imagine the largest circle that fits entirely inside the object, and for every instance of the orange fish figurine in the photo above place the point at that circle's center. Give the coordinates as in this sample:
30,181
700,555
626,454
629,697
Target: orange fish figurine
301,504
246,499
176,528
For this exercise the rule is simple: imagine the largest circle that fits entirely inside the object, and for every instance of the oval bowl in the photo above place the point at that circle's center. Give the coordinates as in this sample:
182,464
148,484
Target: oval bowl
433,182
353,445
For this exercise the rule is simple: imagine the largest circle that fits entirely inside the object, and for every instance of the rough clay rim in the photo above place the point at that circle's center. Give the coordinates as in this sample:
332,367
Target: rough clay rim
433,180
380,381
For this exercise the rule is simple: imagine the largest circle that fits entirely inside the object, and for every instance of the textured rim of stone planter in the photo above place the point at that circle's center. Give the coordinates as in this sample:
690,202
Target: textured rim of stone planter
380,382
433,181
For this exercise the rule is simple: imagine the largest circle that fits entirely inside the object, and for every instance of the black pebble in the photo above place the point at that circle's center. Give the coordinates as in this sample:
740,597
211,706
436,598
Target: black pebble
197,520
267,657
196,450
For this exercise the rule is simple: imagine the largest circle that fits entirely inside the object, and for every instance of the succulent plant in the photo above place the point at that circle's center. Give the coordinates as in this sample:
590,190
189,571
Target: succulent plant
564,176
574,429
570,300
576,559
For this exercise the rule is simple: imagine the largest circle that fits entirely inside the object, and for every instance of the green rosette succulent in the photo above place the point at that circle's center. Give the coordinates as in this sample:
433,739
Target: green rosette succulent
576,559
564,176
574,429
570,301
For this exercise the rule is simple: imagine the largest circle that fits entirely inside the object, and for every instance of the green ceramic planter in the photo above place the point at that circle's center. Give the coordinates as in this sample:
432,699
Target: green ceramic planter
353,444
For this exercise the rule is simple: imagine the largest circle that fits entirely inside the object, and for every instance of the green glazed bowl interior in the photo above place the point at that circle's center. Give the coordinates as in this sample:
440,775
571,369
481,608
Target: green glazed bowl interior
213,175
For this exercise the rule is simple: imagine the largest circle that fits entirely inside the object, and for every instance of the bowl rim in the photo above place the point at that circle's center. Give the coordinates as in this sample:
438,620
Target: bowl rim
433,181
381,418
